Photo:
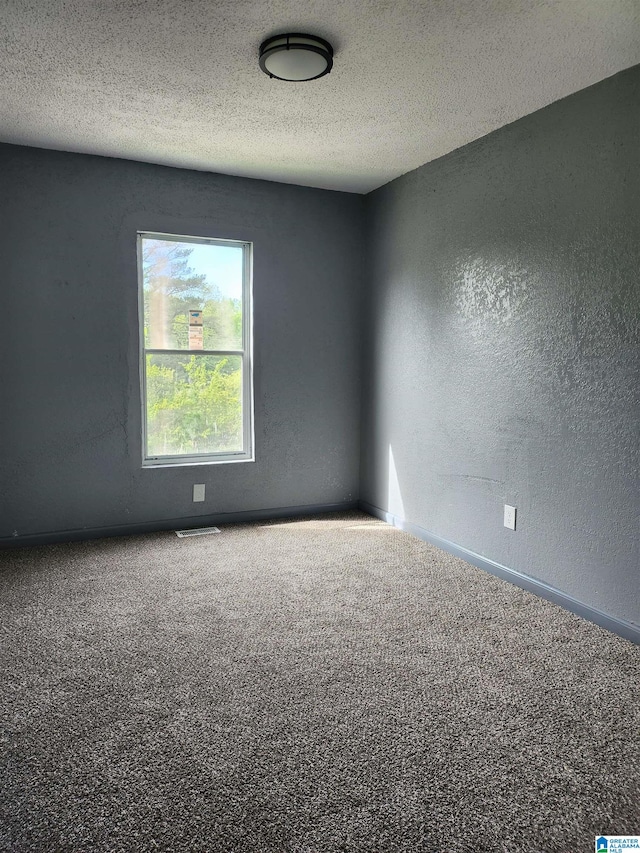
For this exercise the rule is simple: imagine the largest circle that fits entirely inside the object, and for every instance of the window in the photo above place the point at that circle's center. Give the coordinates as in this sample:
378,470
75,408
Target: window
195,312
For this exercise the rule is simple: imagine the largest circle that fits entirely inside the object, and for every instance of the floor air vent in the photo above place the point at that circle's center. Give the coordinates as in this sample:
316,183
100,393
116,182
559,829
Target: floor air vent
197,531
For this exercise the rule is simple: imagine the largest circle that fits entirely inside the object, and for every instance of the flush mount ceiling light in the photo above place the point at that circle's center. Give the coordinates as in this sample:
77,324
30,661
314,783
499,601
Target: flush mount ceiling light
296,57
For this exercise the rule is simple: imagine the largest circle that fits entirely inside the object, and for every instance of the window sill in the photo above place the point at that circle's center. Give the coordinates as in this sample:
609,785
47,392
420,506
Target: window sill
192,463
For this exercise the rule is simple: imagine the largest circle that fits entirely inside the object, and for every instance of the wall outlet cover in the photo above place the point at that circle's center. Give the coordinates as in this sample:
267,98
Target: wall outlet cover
510,517
198,492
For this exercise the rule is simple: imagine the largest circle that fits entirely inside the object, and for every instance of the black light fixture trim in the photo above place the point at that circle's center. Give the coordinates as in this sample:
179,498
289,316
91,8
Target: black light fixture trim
292,41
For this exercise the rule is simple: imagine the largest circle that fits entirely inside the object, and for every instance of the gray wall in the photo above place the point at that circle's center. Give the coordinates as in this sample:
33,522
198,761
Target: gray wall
502,353
70,442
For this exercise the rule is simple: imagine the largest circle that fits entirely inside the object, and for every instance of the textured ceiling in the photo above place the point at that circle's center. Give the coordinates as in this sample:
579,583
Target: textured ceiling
177,81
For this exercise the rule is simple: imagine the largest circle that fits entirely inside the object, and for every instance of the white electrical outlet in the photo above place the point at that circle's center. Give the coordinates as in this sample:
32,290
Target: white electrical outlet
198,492
510,517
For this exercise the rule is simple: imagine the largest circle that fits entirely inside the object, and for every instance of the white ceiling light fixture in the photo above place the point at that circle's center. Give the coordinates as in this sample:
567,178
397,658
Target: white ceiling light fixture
296,57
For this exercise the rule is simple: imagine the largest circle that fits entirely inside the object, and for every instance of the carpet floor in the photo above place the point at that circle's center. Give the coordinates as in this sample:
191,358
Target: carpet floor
303,686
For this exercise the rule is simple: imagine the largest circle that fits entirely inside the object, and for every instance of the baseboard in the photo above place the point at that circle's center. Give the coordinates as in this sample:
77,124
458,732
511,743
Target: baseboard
617,626
52,537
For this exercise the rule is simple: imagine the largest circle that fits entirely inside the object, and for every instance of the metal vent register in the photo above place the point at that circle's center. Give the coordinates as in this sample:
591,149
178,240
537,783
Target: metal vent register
197,531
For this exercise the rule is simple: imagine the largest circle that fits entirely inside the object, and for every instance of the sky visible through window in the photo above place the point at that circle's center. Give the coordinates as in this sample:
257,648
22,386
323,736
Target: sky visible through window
221,264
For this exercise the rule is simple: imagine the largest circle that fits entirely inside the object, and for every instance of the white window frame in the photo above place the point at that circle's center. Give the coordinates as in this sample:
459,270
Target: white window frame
246,353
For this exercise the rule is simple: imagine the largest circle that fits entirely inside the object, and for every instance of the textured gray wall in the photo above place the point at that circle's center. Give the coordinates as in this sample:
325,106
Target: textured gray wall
70,443
502,353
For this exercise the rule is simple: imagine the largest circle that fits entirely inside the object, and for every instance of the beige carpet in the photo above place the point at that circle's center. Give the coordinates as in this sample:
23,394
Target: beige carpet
312,686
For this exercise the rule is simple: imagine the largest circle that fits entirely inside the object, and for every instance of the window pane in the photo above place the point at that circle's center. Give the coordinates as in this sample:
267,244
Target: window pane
192,295
194,404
